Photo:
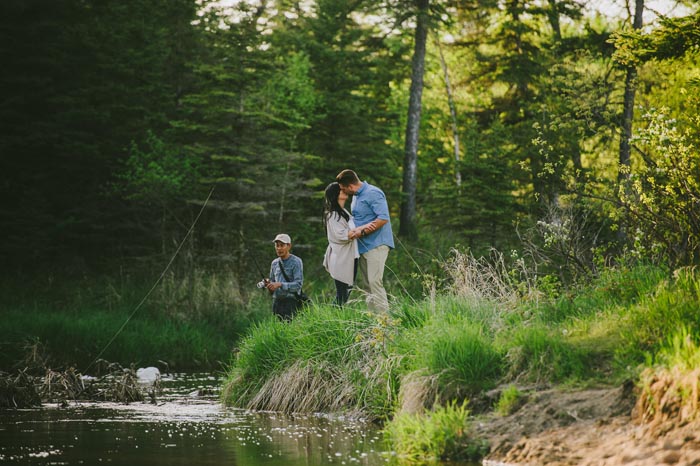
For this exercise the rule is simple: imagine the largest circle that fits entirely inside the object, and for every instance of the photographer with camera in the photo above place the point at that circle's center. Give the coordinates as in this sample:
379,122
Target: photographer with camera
286,279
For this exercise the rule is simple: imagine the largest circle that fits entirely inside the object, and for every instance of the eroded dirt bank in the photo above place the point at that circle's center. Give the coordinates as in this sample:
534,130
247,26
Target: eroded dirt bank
593,427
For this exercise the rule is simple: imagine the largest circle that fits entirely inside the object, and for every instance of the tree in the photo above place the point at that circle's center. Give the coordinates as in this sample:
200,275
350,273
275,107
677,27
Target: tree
81,79
453,111
407,227
628,113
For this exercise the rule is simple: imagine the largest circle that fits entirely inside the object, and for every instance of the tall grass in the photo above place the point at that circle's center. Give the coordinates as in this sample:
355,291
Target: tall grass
645,325
324,355
442,434
74,339
188,322
540,354
457,350
670,382
453,345
615,287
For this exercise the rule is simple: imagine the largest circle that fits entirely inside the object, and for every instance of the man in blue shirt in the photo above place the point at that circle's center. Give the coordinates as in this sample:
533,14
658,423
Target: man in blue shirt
286,279
374,235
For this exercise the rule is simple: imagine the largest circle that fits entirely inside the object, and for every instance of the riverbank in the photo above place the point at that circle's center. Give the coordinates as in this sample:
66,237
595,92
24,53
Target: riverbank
414,368
587,427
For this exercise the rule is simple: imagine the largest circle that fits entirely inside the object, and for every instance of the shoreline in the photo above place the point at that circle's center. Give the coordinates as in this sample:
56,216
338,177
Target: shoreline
587,427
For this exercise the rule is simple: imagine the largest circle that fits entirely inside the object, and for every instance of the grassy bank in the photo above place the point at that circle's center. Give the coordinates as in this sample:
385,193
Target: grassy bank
63,338
457,344
189,324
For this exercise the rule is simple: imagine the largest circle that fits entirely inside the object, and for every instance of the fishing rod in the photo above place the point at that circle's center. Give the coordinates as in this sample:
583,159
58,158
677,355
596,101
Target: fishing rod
265,279
251,255
160,278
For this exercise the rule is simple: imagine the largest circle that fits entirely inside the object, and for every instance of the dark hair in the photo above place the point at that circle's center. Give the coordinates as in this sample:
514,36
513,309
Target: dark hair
330,203
347,177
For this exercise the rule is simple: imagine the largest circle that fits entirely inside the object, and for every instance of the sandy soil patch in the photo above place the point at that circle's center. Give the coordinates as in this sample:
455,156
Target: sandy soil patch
592,427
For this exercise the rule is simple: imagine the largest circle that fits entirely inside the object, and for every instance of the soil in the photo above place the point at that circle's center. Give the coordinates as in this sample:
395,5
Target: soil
591,427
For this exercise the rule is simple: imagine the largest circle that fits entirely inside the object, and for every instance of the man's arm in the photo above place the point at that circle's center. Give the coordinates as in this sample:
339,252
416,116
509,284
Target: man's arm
368,228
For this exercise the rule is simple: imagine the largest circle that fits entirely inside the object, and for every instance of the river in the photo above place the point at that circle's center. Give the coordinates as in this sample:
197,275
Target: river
186,426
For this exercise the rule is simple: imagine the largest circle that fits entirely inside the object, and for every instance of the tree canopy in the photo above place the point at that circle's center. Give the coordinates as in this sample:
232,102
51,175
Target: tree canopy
118,119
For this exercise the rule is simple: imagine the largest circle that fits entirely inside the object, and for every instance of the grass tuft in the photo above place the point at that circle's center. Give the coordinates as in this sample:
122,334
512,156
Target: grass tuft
671,386
439,435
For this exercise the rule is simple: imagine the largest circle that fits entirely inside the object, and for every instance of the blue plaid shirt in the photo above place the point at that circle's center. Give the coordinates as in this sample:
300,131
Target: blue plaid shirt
294,268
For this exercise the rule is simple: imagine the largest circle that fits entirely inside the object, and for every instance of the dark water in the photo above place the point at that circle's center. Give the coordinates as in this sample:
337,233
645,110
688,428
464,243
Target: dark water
182,428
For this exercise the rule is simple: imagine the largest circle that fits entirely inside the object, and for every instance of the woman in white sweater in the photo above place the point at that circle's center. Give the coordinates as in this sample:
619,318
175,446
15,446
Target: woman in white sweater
342,254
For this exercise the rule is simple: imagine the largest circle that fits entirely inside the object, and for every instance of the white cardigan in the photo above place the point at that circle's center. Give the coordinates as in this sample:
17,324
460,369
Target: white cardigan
341,253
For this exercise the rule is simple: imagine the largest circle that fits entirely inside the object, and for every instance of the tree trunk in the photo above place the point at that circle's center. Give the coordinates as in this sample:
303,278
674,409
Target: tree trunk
627,117
408,228
453,112
553,17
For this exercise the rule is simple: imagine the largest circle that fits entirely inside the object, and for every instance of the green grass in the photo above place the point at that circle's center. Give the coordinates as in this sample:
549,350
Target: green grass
75,339
190,323
455,349
323,346
442,434
669,381
450,347
509,400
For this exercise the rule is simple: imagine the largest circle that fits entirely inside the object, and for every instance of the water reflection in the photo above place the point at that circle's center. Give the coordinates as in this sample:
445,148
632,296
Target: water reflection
182,428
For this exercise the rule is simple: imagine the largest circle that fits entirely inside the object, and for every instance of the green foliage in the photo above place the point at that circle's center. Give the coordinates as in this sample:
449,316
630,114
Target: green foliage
663,193
289,95
442,434
675,37
482,208
158,173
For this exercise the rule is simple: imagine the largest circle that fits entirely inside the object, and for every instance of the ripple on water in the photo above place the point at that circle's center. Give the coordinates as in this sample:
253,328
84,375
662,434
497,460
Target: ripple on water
187,425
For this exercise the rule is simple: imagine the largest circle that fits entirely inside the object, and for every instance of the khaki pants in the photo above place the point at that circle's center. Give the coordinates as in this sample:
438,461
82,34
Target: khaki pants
371,274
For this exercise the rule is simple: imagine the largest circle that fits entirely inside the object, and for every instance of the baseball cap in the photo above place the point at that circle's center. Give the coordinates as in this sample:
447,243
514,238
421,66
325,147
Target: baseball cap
283,237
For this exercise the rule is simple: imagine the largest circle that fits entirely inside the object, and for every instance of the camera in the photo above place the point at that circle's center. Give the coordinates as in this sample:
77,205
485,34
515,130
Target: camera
262,283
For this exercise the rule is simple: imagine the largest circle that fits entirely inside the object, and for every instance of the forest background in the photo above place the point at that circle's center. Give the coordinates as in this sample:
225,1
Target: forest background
153,148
